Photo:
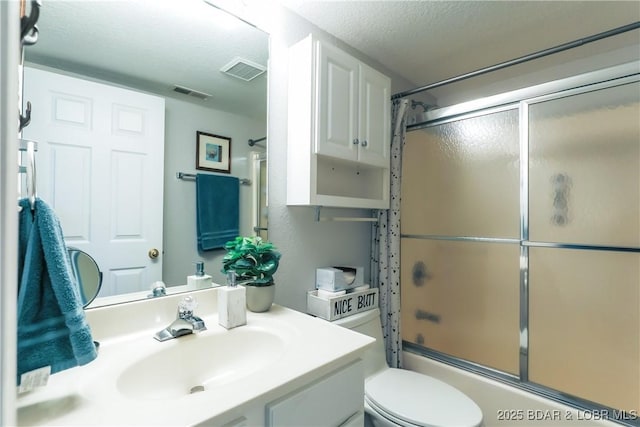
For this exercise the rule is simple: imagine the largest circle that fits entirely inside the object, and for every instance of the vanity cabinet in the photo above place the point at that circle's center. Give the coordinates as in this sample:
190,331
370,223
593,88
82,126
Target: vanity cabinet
335,399
339,129
295,371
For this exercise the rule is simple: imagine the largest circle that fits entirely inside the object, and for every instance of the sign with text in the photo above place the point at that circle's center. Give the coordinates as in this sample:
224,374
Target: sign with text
341,306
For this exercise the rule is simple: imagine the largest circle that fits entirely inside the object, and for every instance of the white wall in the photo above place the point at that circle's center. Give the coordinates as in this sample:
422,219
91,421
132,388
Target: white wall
182,120
304,243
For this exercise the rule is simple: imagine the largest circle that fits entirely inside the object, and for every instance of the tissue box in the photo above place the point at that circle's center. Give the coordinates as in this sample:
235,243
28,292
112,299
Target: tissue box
342,306
339,278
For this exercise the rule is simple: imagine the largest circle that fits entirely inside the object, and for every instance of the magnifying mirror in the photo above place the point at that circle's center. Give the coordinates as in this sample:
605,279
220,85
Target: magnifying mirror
87,274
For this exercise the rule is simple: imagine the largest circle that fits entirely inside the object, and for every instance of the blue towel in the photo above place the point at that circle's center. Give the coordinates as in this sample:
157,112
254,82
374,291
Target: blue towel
217,210
52,328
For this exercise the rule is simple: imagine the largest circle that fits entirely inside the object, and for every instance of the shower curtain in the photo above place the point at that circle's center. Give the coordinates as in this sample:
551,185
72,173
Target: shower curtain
385,245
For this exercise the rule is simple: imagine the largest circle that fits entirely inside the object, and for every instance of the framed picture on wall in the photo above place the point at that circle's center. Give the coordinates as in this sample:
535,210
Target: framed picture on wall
213,152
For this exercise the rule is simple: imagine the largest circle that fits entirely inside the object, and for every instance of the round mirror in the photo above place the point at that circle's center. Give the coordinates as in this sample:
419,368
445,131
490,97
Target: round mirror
87,274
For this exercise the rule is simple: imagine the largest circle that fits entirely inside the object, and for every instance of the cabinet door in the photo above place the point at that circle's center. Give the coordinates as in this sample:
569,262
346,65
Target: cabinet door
337,103
374,129
331,401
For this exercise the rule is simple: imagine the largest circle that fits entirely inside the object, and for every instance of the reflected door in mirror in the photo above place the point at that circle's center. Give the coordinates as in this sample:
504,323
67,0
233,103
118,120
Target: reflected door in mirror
84,129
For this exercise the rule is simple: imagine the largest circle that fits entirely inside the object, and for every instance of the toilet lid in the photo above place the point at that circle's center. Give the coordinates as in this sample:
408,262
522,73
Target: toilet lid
421,400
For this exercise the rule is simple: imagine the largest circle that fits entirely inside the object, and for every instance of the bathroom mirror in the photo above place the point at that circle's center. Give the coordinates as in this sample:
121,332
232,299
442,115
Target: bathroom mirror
87,274
190,53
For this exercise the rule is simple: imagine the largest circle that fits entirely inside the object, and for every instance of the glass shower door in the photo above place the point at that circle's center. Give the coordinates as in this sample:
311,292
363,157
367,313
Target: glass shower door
460,239
520,244
584,215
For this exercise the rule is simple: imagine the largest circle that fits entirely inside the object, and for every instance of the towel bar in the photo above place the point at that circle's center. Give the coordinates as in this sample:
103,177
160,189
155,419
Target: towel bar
341,218
253,142
192,177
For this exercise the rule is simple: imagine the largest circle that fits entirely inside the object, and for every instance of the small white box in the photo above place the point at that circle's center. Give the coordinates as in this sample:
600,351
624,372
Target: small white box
342,306
339,278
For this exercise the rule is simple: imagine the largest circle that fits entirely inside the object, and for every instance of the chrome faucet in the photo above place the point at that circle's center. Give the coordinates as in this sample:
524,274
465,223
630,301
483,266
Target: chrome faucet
158,289
186,322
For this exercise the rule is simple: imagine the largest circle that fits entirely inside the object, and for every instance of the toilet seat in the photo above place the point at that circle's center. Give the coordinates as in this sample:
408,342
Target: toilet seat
412,399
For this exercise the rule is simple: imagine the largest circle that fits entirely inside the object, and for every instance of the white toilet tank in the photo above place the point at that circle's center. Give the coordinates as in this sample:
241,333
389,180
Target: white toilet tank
368,323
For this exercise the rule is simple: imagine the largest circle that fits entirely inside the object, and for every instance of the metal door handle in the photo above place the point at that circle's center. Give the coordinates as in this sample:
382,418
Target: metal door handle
154,253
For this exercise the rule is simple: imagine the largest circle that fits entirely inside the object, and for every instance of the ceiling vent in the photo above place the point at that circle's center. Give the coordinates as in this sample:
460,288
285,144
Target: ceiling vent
191,92
243,69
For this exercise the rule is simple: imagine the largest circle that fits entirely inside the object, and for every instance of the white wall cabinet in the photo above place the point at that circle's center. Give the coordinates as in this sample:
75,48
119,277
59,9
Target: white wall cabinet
353,108
339,129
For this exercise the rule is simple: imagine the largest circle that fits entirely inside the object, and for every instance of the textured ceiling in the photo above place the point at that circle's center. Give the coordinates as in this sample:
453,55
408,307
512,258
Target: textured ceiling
153,45
428,41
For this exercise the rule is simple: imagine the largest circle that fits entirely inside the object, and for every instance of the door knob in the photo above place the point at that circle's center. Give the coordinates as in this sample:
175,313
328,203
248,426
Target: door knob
153,253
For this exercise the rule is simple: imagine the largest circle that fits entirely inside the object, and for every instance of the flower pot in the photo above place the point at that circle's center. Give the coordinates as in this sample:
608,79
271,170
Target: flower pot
260,298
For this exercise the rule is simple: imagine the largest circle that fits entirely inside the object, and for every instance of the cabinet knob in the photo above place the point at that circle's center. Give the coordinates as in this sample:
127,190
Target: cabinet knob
364,143
356,142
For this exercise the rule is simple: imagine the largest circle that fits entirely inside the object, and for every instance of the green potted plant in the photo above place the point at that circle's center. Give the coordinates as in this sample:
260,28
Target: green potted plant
255,263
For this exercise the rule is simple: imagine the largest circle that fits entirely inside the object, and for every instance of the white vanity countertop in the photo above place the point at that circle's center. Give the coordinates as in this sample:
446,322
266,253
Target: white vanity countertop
91,394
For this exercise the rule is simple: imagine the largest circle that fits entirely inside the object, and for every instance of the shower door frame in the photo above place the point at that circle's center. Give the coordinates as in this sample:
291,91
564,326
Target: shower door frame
521,100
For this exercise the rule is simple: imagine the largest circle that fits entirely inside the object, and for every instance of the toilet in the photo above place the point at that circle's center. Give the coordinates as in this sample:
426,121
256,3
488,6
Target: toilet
399,397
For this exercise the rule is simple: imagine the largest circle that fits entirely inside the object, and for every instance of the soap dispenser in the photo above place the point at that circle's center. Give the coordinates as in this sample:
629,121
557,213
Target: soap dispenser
199,280
232,310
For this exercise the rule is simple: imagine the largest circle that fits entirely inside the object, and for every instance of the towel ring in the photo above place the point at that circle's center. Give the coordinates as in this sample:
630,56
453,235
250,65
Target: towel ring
31,173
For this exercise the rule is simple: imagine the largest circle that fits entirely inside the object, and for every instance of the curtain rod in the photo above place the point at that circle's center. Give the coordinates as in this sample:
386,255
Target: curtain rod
520,60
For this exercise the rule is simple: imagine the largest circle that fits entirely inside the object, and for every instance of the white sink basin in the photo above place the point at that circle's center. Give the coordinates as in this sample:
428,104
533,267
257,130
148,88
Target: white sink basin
203,379
200,362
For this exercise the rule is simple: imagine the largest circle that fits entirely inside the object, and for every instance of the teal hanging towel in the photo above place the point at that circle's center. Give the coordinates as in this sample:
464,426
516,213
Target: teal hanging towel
217,210
52,328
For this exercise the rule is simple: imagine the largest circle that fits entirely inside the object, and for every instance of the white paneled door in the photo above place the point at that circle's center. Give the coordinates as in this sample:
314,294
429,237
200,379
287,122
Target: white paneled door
100,166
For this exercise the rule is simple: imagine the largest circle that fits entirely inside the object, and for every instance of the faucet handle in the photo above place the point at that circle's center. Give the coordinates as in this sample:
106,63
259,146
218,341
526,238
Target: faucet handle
186,307
158,289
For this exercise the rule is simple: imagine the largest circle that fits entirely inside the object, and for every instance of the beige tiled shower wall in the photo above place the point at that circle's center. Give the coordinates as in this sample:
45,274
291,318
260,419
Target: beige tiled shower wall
461,179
